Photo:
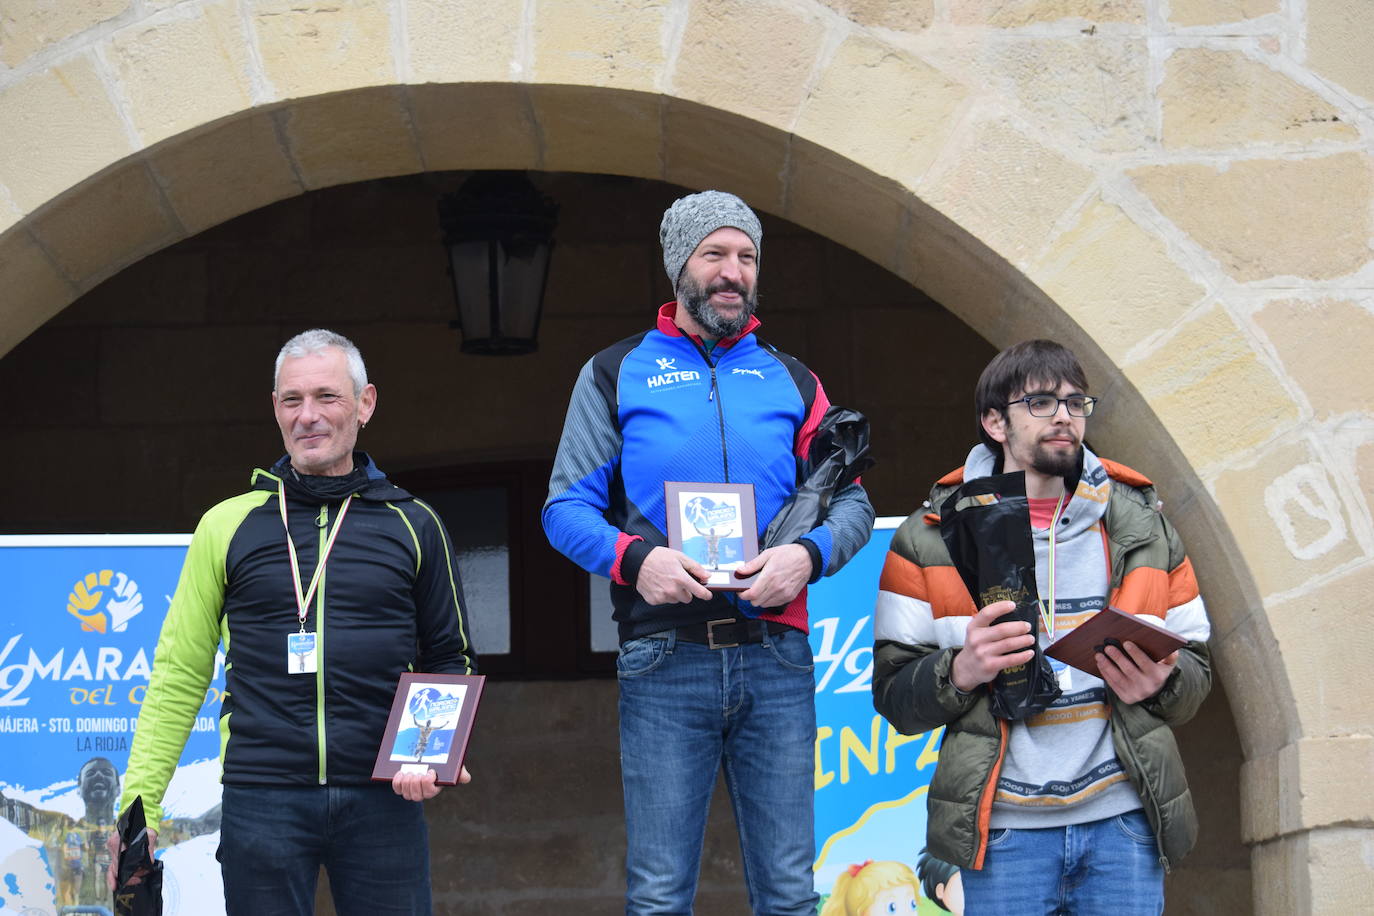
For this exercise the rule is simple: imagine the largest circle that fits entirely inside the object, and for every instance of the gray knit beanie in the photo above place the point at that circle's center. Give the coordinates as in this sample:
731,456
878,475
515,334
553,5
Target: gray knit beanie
690,219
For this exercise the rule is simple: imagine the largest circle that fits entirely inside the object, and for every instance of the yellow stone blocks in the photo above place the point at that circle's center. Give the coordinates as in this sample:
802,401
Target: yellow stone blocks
1265,218
1339,36
1211,390
231,169
617,43
60,126
9,213
1115,279
720,64
1214,12
888,111
1224,98
1006,188
179,72
870,212
587,131
309,47
1326,658
1018,13
115,220
352,136
451,41
475,126
902,15
1289,515
705,147
1311,784
28,26
1324,346
1092,94
34,288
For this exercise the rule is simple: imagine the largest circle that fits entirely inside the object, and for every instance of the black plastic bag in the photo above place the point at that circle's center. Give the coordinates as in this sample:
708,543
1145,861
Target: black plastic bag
838,455
138,876
986,527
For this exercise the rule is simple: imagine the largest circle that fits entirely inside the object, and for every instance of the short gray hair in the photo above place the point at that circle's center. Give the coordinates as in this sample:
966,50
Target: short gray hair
316,340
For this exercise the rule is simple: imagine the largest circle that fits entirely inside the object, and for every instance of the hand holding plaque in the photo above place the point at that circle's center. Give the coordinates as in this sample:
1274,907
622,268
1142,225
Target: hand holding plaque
714,524
429,726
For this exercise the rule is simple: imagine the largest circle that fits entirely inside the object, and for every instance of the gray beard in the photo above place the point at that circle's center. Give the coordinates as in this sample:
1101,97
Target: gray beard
697,301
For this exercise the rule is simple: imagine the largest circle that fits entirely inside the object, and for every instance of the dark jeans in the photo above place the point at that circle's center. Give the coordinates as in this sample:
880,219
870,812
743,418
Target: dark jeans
373,843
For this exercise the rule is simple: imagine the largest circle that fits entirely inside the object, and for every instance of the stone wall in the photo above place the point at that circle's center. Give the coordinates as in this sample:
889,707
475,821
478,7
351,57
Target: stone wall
1179,188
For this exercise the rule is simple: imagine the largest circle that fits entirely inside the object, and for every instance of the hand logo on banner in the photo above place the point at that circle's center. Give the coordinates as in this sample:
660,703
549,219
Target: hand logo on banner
126,602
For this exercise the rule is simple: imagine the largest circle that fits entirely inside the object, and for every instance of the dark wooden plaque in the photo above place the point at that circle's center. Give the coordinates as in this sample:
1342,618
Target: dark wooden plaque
716,525
429,726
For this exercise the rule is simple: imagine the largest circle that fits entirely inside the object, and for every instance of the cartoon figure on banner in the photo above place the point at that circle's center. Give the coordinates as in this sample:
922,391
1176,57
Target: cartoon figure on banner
940,882
428,742
706,516
874,888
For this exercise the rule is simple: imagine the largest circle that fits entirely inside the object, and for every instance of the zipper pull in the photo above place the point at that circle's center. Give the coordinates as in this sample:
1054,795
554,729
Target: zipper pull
712,395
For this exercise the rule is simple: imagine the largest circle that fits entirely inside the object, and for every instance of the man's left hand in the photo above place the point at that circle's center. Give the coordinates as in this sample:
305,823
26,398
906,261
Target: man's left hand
421,786
785,570
1131,674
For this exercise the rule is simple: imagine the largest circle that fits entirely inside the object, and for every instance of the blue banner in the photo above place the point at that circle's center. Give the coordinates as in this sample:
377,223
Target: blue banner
871,782
81,617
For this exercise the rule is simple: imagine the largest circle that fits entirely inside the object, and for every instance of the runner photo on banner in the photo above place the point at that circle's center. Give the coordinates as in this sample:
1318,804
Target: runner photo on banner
79,620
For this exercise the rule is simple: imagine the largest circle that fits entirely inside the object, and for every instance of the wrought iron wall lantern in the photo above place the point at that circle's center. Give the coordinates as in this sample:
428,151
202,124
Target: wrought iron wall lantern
498,231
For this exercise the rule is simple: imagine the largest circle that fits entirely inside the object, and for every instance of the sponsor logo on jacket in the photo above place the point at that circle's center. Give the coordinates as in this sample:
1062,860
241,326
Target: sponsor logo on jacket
671,375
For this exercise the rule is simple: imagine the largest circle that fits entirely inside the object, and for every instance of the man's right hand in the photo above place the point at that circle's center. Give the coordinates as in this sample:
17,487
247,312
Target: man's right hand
113,845
991,647
671,577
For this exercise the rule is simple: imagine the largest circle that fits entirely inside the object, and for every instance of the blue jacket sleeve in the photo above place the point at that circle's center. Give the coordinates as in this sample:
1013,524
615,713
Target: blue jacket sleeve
579,488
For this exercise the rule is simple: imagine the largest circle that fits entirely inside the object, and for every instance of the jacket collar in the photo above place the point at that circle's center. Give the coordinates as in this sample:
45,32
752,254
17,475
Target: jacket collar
667,324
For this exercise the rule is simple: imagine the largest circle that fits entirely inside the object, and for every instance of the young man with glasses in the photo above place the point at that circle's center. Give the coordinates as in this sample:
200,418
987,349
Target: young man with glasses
1080,808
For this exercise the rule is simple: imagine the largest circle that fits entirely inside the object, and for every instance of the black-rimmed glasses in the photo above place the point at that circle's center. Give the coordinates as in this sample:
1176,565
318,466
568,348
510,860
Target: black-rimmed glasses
1047,405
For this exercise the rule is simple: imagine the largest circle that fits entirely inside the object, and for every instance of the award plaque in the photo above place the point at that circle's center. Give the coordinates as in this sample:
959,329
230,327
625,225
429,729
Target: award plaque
714,524
429,726
1112,626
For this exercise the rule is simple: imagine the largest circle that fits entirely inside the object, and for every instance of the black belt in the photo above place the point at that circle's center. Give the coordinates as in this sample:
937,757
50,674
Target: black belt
723,634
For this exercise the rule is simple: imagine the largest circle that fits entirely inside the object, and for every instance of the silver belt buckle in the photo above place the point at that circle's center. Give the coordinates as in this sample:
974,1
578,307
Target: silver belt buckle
711,635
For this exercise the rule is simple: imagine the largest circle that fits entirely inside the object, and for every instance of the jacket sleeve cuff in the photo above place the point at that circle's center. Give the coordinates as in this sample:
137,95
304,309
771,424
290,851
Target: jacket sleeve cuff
817,563
633,550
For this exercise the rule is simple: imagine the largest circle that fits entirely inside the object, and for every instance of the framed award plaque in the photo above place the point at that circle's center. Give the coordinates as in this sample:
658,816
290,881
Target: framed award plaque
429,726
714,524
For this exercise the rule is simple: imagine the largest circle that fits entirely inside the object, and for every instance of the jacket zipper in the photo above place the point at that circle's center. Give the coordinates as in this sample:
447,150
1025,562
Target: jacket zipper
320,738
720,407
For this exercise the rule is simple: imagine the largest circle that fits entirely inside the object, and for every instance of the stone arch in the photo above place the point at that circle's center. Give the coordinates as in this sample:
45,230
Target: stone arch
929,137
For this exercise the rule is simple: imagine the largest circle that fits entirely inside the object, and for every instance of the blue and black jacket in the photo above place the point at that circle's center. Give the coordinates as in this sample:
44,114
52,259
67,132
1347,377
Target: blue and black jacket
657,407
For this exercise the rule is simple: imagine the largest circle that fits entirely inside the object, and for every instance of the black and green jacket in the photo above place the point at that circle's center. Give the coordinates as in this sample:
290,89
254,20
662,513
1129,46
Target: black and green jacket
390,601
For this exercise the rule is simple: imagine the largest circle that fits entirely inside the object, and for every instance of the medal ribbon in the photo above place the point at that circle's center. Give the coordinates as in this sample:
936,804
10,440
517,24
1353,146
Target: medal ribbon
303,598
1047,610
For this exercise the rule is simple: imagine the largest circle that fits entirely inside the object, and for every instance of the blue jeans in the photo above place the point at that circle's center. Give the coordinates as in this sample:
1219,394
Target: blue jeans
1107,866
684,710
373,843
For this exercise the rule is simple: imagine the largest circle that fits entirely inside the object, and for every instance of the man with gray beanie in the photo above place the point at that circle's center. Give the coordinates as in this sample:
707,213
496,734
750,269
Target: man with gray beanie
707,677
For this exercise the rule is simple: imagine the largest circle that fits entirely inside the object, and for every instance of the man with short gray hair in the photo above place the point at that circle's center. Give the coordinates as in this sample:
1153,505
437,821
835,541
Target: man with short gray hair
300,726
707,679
